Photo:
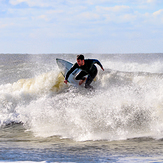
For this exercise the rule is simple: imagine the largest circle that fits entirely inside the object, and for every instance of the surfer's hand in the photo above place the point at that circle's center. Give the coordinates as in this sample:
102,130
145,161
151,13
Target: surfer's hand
65,81
102,68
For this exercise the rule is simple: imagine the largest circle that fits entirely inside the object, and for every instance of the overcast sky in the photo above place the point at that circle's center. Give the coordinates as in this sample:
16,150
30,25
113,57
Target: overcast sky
81,26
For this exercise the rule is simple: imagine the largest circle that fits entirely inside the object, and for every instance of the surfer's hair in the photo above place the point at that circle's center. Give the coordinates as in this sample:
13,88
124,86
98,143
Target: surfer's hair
80,57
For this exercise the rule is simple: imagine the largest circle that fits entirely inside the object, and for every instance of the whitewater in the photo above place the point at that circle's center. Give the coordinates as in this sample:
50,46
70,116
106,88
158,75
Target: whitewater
42,119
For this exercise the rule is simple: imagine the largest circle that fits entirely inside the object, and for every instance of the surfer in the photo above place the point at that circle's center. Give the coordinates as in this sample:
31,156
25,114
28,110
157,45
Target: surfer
88,68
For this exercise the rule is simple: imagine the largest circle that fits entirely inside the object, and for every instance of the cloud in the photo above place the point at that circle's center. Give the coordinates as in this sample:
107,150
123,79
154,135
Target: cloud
65,23
89,16
113,9
158,13
152,1
49,3
5,25
31,3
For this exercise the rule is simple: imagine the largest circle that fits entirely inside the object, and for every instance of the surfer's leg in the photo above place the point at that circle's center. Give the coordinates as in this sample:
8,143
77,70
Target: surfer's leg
90,79
80,75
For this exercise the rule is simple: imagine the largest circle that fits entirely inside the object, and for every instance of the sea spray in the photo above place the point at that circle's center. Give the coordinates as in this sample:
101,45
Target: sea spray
22,92
119,110
123,105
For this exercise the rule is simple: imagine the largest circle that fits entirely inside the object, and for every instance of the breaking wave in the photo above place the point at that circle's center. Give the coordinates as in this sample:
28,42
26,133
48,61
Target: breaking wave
123,105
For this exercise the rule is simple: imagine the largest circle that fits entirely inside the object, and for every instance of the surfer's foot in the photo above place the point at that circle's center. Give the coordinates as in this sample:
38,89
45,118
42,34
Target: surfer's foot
88,86
82,81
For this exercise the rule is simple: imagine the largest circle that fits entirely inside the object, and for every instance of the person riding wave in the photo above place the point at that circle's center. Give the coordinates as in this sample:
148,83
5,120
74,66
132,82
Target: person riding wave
88,68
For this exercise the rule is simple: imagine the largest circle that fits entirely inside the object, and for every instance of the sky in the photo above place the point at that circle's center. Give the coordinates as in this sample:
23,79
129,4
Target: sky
81,26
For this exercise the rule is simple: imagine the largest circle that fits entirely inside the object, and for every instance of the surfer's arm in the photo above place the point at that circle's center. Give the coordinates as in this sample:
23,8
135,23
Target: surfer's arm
98,62
70,71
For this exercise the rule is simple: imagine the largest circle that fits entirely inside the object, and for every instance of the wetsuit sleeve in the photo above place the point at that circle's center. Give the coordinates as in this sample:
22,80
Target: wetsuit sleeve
71,70
96,61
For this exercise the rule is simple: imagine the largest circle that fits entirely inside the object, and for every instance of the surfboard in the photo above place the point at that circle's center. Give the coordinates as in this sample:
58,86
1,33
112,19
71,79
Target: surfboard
65,66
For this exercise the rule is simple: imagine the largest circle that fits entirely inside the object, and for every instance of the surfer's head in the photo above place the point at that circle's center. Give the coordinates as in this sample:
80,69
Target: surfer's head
80,57
80,60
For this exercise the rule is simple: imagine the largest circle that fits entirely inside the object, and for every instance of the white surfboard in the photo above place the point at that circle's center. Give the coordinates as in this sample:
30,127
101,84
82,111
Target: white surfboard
65,66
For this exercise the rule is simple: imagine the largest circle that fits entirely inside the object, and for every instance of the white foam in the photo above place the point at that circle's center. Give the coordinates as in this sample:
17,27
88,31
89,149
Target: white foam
117,112
123,105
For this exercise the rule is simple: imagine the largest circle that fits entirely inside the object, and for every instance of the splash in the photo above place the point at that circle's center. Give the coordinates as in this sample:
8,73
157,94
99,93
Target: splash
22,92
123,105
59,83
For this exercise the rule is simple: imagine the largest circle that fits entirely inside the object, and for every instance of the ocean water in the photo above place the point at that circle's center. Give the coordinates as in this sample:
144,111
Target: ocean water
44,120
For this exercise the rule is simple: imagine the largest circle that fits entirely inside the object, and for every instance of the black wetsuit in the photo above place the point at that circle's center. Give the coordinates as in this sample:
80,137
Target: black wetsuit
87,69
